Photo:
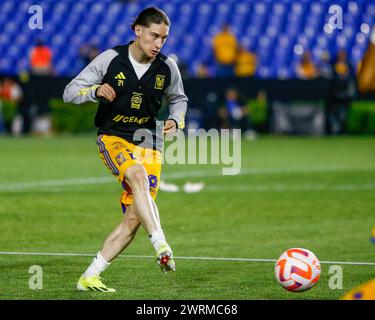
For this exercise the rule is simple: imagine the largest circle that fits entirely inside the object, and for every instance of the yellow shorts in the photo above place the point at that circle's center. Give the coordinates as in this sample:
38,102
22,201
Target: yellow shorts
118,155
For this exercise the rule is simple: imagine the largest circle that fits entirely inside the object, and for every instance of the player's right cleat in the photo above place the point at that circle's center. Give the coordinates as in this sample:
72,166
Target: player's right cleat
93,283
164,258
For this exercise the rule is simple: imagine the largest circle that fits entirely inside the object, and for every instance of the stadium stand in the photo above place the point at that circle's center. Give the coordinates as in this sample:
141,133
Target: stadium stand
277,31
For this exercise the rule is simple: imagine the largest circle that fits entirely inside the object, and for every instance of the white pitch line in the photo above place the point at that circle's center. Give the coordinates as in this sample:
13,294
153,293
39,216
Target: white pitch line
181,258
264,171
22,186
54,183
293,188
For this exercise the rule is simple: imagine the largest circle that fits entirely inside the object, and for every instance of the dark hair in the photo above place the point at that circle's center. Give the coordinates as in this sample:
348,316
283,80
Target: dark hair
39,42
149,16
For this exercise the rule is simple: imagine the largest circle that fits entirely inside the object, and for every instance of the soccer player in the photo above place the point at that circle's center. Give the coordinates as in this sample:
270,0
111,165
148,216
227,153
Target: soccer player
366,74
129,81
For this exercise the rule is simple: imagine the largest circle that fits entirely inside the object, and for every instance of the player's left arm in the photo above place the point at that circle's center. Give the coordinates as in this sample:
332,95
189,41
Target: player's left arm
84,86
176,99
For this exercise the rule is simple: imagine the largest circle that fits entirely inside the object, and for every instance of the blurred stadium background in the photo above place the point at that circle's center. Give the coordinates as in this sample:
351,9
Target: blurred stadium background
273,29
298,186
278,35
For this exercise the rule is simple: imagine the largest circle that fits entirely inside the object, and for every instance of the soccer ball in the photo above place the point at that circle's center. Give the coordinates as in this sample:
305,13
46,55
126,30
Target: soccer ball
297,270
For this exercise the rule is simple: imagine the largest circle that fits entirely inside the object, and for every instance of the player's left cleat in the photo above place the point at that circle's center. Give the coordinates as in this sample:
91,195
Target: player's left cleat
164,258
93,283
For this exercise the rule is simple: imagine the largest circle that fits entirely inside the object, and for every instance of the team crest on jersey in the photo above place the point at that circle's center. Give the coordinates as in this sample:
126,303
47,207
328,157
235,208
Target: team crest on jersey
120,79
136,100
159,82
120,159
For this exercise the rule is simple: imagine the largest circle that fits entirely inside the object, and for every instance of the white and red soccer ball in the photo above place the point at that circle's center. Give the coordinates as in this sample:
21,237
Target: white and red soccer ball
297,270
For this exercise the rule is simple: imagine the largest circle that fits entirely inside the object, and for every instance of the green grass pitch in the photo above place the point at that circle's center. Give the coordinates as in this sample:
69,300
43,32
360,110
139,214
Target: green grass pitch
314,193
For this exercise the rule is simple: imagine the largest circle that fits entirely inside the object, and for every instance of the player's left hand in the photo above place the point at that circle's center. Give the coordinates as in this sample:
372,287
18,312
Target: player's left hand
170,127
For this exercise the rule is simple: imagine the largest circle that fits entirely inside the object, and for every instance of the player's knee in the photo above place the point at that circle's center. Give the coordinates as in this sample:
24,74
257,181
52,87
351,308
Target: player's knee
137,177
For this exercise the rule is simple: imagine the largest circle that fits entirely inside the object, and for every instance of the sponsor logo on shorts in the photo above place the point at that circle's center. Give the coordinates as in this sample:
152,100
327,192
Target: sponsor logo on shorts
120,159
118,146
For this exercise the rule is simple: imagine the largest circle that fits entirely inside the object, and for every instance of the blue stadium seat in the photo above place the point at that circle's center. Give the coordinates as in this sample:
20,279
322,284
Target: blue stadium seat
271,28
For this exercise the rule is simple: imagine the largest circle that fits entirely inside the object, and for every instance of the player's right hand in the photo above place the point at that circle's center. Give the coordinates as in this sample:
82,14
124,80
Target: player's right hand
106,91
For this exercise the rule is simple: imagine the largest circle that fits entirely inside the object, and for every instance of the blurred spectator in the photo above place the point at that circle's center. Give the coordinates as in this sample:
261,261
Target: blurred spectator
366,72
258,109
341,91
10,90
306,68
342,67
209,104
324,66
182,66
41,67
202,71
245,64
225,51
41,59
88,52
10,96
235,115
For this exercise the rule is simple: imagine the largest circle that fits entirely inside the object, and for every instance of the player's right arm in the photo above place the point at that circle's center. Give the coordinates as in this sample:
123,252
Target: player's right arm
87,85
366,75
